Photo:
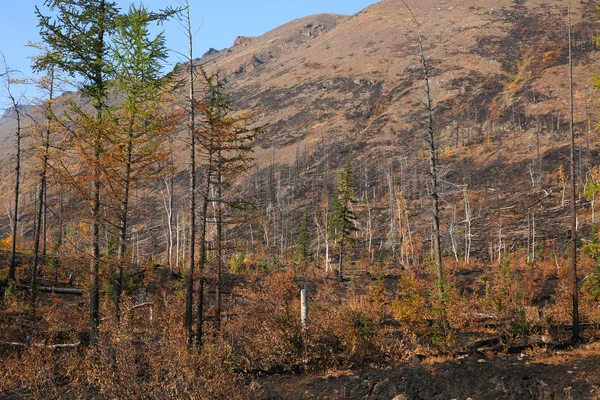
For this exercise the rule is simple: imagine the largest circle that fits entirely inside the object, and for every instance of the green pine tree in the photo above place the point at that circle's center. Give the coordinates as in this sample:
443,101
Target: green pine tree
342,224
303,239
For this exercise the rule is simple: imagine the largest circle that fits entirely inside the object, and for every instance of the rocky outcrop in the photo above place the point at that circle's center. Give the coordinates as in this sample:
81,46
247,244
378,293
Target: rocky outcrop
243,41
313,30
210,52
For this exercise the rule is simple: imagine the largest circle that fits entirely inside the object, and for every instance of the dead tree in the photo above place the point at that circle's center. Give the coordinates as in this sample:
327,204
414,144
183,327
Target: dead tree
42,188
575,292
433,160
9,79
191,108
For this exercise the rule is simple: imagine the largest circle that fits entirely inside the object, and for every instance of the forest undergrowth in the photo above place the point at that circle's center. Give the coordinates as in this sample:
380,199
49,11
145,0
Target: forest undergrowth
376,318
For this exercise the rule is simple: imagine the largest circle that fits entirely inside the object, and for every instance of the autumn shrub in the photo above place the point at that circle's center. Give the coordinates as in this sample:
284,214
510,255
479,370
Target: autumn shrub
6,243
592,284
377,292
138,357
348,325
124,367
410,308
238,262
266,332
345,328
504,294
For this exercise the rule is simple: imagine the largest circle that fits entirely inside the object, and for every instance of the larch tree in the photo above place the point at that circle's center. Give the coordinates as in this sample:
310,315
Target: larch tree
78,37
143,126
225,140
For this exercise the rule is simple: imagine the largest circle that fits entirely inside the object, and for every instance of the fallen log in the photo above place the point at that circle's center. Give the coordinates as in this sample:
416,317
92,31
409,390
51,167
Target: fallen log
487,342
569,327
149,303
15,344
28,344
53,289
57,290
59,346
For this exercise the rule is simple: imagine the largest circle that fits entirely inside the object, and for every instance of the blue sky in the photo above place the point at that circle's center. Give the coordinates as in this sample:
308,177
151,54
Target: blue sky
219,23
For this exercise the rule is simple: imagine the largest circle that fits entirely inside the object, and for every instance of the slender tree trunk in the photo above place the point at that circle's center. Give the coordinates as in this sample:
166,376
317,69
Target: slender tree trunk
219,249
192,185
124,220
202,263
60,233
168,204
45,225
575,291
435,208
13,251
341,260
41,199
468,216
99,84
95,262
169,209
172,184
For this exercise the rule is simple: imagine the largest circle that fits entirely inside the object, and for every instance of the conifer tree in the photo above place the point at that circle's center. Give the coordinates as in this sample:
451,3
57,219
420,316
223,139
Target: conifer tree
342,219
78,37
142,124
225,140
303,239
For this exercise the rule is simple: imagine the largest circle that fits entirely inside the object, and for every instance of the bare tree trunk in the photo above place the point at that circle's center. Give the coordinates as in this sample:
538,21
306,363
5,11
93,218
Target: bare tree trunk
533,238
41,198
435,207
177,244
15,225
95,262
168,204
192,183
341,259
219,221
575,291
200,311
370,227
433,172
327,264
123,223
60,233
468,217
452,236
45,225
392,231
203,250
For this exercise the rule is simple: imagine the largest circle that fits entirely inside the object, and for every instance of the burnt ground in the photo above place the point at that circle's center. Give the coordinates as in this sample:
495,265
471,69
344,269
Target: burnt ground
560,375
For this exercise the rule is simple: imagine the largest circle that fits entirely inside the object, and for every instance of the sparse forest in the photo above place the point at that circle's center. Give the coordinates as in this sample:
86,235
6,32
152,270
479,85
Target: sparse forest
424,174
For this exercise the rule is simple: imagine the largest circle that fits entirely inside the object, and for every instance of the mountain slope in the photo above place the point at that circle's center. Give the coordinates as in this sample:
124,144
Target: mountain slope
332,87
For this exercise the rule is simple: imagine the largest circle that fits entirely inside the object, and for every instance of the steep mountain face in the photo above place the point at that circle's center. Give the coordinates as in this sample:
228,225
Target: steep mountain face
334,87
